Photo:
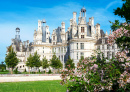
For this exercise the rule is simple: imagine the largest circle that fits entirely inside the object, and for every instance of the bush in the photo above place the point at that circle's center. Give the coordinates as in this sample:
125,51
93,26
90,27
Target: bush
2,69
16,71
49,72
25,70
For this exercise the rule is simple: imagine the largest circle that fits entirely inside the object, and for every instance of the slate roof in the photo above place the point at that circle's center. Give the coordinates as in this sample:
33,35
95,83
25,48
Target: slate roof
99,41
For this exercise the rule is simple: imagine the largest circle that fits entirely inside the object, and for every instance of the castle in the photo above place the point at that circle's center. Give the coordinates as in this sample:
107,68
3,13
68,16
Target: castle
80,39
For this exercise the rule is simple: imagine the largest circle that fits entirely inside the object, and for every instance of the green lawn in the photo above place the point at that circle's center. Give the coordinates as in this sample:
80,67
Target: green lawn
36,86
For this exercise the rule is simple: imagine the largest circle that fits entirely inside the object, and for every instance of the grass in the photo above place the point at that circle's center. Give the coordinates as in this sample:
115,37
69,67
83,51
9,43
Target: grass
36,86
4,72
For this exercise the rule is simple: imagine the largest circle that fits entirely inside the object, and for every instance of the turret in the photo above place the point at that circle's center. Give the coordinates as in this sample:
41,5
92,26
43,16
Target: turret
74,17
17,36
106,35
47,34
98,35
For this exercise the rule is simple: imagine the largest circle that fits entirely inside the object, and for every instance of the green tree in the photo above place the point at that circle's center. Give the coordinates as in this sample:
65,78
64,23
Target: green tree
56,63
69,64
36,60
45,64
11,59
124,11
29,62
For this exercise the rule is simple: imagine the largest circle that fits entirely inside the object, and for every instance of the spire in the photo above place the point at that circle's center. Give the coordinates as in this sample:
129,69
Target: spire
106,35
110,31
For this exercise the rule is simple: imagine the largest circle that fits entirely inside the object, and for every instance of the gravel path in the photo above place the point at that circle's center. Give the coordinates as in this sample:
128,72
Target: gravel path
38,77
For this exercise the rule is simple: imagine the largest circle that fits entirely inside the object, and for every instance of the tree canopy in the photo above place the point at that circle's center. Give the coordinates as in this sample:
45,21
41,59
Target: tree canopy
55,62
70,63
45,63
11,59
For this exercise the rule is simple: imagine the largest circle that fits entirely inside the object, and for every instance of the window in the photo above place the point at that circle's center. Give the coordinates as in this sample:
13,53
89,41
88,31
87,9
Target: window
53,43
81,45
82,29
113,54
43,47
77,55
108,55
43,51
23,65
98,47
103,41
107,46
20,66
53,37
82,36
102,46
113,47
77,45
81,54
64,49
61,49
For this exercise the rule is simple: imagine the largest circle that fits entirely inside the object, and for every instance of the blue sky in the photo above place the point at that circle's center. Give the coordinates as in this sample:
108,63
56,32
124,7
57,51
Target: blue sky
26,13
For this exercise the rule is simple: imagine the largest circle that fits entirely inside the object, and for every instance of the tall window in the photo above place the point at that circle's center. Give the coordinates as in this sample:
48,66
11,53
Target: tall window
107,46
82,29
53,43
98,47
108,55
113,47
81,45
81,54
82,36
113,54
77,45
61,49
53,37
64,49
77,55
102,46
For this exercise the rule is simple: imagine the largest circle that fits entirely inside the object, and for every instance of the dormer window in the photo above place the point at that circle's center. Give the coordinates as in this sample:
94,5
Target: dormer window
82,29
103,41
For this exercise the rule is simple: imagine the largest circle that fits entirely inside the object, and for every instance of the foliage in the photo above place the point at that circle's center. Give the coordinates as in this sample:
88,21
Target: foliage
45,63
124,11
121,31
25,70
29,61
69,64
2,66
11,59
55,62
16,71
36,60
49,72
95,74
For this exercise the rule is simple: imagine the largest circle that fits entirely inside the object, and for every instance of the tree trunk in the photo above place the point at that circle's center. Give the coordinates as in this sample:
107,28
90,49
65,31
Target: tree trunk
11,70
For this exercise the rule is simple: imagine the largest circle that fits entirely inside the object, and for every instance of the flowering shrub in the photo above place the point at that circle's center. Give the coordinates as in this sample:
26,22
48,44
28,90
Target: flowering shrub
121,37
95,74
